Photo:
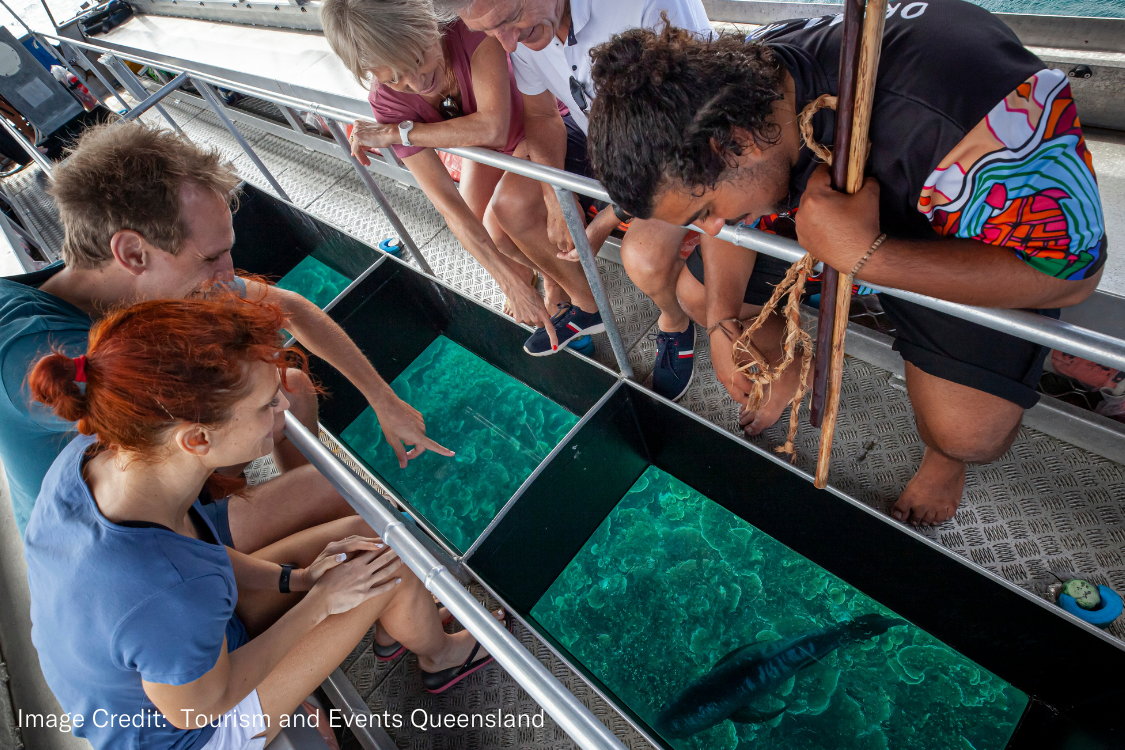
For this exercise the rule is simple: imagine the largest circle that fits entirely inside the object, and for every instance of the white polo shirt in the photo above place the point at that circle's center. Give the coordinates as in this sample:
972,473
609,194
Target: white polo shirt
550,68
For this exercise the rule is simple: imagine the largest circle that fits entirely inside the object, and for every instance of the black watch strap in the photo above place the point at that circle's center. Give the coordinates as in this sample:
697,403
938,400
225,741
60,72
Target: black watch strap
283,584
621,215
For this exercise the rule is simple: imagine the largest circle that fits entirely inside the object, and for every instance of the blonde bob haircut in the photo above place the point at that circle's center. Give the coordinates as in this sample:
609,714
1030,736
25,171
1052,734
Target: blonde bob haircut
370,34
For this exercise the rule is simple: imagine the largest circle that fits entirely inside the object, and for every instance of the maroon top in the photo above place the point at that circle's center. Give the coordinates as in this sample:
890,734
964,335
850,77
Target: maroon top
392,106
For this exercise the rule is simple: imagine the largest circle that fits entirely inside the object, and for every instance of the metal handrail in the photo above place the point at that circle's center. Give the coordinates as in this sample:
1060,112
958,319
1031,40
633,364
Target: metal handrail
574,718
1066,337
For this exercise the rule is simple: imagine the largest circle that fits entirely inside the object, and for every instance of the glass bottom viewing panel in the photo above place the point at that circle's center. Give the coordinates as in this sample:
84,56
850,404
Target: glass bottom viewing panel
315,281
718,636
500,429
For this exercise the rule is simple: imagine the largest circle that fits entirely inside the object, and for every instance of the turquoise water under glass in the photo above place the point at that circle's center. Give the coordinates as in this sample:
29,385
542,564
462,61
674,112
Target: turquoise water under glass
500,428
315,281
671,582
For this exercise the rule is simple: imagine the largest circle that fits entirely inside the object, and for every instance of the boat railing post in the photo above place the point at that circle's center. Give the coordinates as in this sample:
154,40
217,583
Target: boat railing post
156,96
369,181
36,155
80,55
293,118
543,687
130,81
212,98
577,229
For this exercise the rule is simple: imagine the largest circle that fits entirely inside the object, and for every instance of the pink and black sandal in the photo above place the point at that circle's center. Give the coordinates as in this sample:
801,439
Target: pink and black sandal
439,682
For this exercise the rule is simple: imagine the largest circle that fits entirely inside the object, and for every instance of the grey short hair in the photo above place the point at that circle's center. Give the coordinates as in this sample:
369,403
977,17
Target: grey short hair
451,7
369,34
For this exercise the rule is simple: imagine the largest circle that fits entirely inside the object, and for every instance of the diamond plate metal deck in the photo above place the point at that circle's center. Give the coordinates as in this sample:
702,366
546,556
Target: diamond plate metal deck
1043,507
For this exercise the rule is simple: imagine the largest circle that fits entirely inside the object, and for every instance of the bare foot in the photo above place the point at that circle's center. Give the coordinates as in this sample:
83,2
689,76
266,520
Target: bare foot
777,398
460,645
934,493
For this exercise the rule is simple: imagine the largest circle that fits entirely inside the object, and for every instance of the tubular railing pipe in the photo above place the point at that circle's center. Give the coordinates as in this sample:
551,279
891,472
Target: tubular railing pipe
1056,334
133,84
43,162
556,177
377,193
1082,342
573,717
590,265
156,96
212,99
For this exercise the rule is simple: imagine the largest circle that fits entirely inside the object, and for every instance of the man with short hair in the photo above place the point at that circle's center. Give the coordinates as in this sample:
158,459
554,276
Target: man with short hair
980,190
147,216
550,42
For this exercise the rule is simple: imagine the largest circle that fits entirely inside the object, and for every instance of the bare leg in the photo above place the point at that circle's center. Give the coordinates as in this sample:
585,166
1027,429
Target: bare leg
409,613
296,500
959,425
478,183
260,609
518,206
650,253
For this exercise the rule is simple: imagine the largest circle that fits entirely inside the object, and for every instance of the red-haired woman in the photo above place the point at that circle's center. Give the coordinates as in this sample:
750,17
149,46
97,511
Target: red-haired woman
142,621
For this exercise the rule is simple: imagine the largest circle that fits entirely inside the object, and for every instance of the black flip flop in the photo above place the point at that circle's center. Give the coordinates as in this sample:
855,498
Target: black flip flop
439,682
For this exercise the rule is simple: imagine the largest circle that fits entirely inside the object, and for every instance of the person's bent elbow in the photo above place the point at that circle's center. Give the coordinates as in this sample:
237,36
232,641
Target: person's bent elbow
497,136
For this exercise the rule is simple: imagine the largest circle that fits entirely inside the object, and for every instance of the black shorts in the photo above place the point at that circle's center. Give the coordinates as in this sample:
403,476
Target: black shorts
578,162
936,343
768,273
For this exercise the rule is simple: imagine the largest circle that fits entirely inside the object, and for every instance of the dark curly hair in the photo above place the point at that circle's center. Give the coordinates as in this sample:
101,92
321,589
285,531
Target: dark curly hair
666,107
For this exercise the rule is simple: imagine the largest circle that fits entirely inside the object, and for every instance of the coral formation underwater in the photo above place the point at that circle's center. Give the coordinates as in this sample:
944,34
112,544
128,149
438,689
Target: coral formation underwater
500,428
314,281
671,582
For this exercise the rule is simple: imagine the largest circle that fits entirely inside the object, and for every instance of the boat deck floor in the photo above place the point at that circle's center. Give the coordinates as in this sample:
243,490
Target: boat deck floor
1045,506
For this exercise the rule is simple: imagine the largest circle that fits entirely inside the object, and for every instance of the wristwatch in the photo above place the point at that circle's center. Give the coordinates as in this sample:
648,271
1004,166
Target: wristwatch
283,583
404,129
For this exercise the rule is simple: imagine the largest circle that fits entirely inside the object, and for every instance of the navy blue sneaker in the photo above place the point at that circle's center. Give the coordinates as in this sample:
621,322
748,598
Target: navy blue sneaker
569,322
675,363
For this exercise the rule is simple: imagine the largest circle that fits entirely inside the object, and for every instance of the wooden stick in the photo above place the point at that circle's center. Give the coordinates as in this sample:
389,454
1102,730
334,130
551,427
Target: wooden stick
875,18
841,146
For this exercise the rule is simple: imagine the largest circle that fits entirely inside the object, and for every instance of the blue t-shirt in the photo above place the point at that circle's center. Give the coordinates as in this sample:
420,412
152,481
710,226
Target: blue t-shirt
112,604
31,324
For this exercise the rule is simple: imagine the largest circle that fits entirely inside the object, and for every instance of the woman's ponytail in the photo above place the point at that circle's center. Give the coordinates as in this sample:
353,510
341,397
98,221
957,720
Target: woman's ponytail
53,382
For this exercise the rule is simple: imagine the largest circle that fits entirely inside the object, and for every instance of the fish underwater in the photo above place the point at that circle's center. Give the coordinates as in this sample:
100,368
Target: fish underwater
753,671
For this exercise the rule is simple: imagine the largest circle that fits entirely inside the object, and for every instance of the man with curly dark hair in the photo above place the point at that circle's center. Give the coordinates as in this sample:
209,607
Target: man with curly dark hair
980,190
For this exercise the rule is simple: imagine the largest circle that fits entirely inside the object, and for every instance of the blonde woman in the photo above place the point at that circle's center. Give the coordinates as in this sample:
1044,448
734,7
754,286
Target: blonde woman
437,84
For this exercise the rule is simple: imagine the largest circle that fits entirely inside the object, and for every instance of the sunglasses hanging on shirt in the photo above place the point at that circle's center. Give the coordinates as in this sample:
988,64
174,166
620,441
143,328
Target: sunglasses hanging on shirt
449,109
578,93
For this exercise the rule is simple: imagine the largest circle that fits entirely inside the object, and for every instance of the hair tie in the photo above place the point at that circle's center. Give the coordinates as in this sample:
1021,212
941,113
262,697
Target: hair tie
80,369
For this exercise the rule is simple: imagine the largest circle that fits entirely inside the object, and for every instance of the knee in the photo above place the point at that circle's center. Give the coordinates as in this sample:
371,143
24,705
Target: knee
517,212
643,262
301,394
972,443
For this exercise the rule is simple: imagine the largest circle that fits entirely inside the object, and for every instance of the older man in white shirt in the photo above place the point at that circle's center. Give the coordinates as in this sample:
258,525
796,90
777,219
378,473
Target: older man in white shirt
550,42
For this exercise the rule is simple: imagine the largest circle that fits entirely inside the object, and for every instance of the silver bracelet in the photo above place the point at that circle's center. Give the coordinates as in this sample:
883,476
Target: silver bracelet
867,256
